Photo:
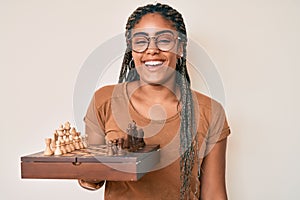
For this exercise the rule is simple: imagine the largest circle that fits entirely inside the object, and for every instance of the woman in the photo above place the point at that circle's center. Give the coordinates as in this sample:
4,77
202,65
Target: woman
154,91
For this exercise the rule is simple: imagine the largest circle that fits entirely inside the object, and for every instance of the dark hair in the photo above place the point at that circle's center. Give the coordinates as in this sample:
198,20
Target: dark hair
188,146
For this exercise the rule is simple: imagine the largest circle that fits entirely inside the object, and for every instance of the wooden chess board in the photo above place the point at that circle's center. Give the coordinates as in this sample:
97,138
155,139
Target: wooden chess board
91,163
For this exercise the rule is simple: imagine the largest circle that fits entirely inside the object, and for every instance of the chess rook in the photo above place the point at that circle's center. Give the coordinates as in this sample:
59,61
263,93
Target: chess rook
48,151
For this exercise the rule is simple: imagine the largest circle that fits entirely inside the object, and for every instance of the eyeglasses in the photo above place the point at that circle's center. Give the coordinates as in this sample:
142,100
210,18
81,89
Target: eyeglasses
164,42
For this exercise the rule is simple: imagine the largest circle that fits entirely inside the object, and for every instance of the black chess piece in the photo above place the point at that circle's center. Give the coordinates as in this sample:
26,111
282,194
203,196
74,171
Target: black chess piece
121,151
140,136
131,136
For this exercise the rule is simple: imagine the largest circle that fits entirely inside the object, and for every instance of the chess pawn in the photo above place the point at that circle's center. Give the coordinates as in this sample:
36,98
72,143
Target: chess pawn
80,141
71,143
110,151
67,130
120,151
57,151
127,142
115,146
73,132
85,141
61,130
63,147
67,144
75,138
48,151
67,126
60,135
76,144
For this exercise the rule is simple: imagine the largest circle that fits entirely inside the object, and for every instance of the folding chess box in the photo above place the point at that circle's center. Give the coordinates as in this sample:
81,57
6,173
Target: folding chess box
91,163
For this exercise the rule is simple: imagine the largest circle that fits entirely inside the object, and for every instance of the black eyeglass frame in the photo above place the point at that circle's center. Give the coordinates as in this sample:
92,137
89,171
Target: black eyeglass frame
155,41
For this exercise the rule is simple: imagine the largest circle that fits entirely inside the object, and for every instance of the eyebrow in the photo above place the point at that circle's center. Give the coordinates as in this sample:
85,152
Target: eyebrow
157,33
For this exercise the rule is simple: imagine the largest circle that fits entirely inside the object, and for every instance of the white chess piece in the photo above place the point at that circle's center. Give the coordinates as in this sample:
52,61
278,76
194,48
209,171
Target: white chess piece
48,151
57,152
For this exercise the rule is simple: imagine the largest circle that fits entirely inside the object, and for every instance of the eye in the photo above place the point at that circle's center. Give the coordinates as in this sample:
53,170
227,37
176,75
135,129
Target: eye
165,39
139,41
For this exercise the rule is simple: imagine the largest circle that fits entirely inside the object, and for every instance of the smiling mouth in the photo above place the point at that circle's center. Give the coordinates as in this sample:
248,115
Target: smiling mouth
154,64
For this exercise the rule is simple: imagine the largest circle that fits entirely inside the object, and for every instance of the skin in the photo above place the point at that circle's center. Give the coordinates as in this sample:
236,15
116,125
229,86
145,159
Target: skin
213,186
162,90
157,87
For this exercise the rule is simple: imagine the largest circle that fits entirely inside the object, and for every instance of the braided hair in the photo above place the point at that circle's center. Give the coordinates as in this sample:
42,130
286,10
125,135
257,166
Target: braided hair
188,141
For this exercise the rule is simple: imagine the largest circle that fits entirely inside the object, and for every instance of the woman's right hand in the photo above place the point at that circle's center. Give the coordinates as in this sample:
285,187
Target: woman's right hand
91,184
111,136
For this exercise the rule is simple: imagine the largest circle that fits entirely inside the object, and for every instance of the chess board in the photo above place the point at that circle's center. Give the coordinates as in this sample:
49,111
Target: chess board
91,163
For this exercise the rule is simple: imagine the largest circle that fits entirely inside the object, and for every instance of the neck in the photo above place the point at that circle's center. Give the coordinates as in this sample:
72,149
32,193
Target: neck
157,102
156,93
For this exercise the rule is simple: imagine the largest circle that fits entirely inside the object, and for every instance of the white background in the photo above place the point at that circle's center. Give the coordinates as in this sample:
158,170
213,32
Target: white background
253,43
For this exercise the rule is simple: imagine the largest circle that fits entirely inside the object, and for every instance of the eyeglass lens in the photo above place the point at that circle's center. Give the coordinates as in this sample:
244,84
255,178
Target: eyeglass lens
163,42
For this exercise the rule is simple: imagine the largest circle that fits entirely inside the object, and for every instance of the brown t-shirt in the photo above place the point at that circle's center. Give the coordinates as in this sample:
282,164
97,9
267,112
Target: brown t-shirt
110,111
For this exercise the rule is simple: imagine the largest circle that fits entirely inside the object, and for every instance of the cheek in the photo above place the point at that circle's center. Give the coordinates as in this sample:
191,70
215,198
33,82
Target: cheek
173,60
136,59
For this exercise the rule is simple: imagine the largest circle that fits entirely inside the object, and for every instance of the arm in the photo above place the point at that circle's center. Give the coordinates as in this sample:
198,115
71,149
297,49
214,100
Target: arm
94,128
95,135
212,178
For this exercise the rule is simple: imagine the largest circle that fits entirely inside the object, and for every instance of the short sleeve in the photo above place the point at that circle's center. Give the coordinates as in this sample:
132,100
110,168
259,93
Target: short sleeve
94,127
218,127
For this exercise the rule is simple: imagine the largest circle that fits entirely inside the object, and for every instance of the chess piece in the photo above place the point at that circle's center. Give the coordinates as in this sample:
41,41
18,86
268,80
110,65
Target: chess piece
75,138
67,126
53,143
132,137
140,142
48,151
63,146
134,133
128,140
71,143
120,151
85,141
60,132
73,132
80,141
58,151
115,146
76,144
110,151
67,144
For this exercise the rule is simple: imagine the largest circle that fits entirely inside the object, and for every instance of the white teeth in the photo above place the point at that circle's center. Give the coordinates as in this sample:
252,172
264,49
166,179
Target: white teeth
153,63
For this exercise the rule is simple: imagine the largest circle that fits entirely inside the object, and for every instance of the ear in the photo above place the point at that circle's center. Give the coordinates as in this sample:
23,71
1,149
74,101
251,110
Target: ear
180,50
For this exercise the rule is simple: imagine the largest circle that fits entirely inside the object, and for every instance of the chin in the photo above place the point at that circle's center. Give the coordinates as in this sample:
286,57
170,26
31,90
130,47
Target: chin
158,75
167,77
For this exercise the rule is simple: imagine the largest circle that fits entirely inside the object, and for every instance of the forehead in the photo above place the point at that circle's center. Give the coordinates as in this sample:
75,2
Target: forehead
153,22
152,31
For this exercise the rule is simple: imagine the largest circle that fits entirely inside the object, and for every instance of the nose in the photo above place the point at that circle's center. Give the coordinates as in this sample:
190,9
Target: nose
152,48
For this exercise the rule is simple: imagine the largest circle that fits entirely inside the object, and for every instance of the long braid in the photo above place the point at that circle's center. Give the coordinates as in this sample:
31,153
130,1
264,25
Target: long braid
187,132
188,137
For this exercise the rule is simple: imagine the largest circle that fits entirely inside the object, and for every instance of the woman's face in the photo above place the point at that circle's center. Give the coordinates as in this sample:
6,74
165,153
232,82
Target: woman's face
155,61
